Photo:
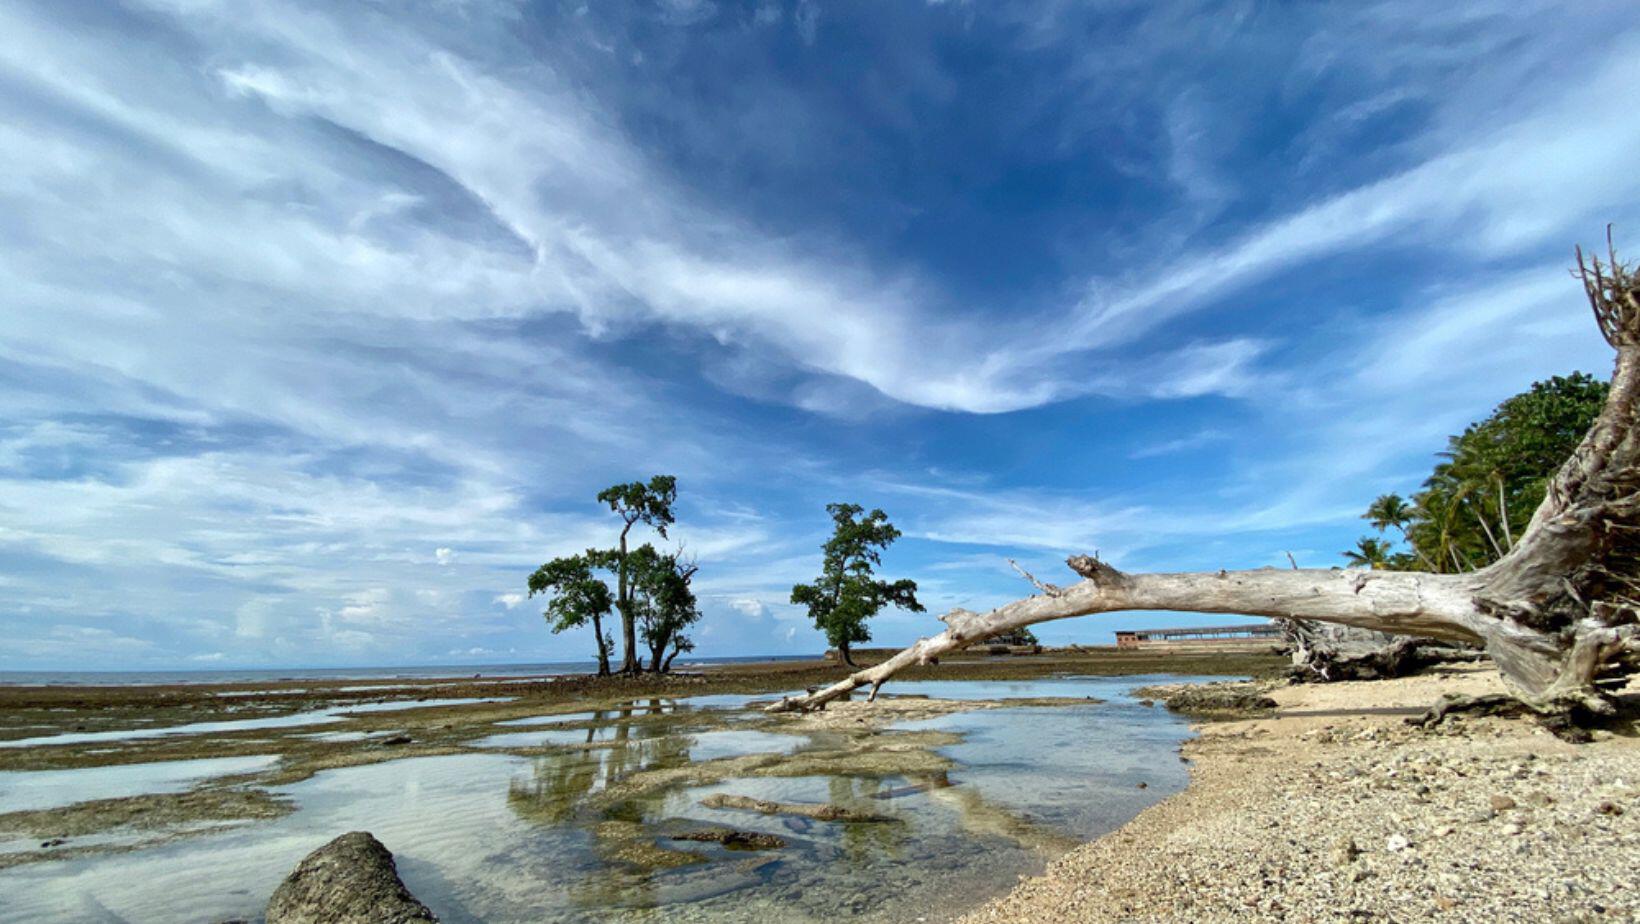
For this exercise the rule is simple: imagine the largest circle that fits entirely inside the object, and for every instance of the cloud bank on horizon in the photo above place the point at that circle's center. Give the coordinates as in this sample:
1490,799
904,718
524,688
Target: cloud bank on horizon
322,323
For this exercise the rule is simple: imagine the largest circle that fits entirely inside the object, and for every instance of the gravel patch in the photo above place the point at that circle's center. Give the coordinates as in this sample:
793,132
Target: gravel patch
1336,810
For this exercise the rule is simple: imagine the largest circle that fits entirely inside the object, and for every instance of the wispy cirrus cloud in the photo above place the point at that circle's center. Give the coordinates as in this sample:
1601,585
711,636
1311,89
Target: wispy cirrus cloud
323,322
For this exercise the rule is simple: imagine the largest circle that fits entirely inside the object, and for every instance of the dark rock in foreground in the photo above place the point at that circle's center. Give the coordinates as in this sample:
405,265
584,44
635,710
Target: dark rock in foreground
351,880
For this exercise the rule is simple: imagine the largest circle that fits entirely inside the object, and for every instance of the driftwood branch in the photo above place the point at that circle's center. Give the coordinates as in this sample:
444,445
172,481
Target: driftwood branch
1051,590
1556,613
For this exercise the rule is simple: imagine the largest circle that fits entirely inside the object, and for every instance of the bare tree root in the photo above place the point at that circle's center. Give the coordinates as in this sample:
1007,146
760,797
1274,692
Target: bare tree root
1570,721
1329,654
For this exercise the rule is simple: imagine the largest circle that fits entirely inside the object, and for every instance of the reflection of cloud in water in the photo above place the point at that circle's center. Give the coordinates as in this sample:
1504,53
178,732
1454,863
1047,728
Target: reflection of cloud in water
314,717
502,838
560,719
30,790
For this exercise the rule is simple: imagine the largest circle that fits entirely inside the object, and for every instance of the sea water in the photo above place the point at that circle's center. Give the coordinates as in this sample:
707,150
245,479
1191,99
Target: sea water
489,836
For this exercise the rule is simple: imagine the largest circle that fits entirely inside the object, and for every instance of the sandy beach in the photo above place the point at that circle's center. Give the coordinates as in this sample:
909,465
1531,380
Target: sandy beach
1334,809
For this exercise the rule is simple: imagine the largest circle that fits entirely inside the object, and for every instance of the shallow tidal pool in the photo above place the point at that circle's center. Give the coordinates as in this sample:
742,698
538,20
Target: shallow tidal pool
572,817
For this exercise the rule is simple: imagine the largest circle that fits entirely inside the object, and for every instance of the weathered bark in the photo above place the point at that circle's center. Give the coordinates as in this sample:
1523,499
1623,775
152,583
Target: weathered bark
1325,653
1556,614
603,647
623,603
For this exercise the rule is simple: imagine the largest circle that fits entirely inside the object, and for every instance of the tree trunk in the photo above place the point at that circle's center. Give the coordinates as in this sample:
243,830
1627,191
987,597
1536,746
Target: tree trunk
1556,614
844,655
603,650
623,602
1325,653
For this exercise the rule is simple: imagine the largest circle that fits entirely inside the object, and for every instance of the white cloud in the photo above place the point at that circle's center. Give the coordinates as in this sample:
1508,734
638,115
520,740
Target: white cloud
806,16
366,607
356,331
551,177
1539,179
1181,444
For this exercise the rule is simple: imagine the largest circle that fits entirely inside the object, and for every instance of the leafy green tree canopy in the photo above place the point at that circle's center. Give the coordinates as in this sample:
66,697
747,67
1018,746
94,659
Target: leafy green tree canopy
1491,479
638,502
575,597
663,602
1369,552
848,592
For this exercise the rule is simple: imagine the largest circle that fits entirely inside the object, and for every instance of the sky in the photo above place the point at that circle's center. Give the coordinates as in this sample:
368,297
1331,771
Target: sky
322,324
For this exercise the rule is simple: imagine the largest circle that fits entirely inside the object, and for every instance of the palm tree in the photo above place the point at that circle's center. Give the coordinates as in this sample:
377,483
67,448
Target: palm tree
1389,510
1370,552
1393,510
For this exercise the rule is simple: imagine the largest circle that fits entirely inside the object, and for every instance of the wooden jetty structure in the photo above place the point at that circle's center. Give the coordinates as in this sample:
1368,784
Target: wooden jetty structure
1198,635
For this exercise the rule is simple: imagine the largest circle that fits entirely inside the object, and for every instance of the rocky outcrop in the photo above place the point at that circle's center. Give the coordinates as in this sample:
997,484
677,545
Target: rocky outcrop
732,839
351,880
1221,701
822,811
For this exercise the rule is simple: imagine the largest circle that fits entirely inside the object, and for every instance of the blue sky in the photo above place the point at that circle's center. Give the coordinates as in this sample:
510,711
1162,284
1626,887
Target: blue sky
322,323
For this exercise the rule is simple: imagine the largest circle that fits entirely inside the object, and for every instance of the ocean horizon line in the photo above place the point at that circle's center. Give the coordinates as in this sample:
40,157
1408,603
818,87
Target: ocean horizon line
155,676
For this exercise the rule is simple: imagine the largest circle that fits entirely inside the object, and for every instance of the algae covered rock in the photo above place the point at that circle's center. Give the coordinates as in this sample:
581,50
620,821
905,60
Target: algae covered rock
733,839
1221,701
351,880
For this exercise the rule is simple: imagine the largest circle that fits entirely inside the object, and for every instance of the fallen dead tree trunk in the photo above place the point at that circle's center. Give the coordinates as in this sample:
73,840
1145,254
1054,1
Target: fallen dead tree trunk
1557,614
1326,653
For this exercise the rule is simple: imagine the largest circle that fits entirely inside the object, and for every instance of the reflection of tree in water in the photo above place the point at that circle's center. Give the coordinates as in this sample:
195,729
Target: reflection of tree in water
561,782
634,869
555,788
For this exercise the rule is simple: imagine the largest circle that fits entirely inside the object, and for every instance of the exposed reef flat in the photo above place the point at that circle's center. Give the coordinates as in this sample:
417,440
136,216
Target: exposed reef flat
264,737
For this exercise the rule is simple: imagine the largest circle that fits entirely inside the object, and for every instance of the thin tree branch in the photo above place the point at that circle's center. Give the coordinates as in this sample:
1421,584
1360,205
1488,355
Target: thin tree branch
1051,590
